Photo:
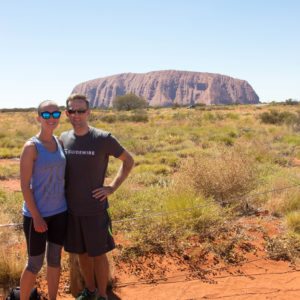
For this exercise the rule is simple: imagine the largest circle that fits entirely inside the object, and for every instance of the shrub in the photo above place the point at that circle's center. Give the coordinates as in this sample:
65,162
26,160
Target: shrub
293,221
291,102
12,253
283,201
109,118
278,118
12,261
175,214
129,102
228,174
283,248
136,116
139,116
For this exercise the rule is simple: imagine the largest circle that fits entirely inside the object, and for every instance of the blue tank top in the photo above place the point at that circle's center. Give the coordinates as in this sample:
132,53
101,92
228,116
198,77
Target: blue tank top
48,180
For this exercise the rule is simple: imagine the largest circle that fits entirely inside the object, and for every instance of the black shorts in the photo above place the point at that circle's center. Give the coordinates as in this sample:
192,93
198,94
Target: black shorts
56,233
89,234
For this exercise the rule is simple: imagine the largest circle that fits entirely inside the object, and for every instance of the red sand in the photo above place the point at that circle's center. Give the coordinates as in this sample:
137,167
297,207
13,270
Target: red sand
170,278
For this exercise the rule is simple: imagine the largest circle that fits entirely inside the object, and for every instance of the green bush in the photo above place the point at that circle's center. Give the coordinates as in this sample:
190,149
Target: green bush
139,116
135,116
109,118
277,118
291,102
129,102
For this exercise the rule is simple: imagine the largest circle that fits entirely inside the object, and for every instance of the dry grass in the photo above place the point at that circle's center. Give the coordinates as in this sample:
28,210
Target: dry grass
206,159
226,175
283,248
12,256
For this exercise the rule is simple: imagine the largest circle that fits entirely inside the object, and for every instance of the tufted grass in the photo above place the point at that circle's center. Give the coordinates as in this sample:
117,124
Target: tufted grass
195,170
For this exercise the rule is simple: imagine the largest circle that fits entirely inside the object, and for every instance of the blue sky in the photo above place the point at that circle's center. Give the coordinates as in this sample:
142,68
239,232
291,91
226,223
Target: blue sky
47,47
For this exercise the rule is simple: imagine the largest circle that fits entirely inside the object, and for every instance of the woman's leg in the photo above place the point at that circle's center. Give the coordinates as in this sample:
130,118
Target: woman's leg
53,268
36,244
29,274
26,284
53,275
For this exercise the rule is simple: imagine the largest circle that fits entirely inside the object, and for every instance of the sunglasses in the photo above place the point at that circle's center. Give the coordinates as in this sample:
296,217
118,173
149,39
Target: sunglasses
46,114
74,111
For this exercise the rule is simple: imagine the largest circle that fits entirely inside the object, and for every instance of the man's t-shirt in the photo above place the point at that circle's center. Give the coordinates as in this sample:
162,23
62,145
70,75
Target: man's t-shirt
87,160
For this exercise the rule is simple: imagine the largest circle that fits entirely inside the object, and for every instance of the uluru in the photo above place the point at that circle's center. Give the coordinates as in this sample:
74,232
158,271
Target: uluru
168,88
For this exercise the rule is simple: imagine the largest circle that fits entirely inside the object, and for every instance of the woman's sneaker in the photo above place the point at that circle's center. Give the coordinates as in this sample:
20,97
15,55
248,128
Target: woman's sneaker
87,295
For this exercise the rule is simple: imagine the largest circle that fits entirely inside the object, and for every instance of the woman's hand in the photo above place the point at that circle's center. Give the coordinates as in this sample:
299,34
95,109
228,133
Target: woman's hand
39,224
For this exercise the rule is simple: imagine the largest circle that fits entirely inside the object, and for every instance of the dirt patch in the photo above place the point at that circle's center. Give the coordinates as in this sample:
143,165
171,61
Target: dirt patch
255,277
199,275
9,161
295,162
260,279
12,185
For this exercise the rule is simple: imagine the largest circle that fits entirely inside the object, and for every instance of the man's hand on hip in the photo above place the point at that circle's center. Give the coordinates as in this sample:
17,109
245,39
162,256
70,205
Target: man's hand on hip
102,193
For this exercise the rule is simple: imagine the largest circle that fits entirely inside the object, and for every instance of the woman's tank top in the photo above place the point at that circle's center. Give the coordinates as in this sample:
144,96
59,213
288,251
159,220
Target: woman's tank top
48,180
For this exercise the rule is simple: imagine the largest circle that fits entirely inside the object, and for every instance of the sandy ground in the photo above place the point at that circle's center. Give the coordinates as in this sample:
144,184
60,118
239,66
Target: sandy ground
258,280
255,278
171,278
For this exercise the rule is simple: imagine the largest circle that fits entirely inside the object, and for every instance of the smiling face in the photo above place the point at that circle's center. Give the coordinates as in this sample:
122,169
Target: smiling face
78,112
48,121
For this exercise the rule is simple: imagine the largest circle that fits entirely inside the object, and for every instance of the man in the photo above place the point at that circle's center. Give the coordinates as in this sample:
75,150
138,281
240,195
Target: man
89,233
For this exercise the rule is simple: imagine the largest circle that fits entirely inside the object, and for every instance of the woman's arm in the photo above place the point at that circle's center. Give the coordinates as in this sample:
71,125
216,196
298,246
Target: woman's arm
27,159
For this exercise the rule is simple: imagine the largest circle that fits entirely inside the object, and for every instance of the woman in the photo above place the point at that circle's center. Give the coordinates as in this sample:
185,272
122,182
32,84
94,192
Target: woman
42,171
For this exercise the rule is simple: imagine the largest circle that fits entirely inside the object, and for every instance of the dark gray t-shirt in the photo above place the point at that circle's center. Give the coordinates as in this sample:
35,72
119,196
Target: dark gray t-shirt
87,160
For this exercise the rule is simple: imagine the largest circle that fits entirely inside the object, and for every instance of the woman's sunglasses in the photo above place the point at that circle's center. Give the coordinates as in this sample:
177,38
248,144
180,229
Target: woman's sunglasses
46,114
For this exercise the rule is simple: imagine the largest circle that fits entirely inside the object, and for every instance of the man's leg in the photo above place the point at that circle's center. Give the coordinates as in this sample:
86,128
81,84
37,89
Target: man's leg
102,272
87,267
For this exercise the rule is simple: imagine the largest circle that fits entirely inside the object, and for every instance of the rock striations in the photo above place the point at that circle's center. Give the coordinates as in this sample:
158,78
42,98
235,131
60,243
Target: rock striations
166,88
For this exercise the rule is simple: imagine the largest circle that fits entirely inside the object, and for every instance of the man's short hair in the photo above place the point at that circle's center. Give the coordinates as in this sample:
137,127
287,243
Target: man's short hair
77,97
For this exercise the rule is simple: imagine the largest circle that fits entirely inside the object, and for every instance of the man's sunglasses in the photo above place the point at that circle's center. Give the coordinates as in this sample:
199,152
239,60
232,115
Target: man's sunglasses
74,111
46,114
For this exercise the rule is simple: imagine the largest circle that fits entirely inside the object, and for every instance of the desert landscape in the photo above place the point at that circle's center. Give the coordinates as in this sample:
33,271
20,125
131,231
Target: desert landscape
204,95
211,210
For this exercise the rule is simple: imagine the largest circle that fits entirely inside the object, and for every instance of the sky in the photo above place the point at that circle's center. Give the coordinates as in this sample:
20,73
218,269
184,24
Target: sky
48,47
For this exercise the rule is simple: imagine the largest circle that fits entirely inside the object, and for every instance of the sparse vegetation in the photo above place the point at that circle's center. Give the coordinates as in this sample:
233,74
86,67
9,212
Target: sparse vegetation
283,248
12,253
196,170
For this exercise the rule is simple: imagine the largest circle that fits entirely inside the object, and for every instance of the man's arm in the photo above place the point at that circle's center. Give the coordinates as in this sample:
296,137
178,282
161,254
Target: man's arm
127,164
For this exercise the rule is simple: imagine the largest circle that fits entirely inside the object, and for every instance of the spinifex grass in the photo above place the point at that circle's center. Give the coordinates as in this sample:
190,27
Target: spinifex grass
220,154
12,248
12,256
9,170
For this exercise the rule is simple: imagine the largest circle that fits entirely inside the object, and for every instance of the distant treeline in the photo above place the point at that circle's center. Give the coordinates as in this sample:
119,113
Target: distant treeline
28,109
17,109
286,102
132,102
